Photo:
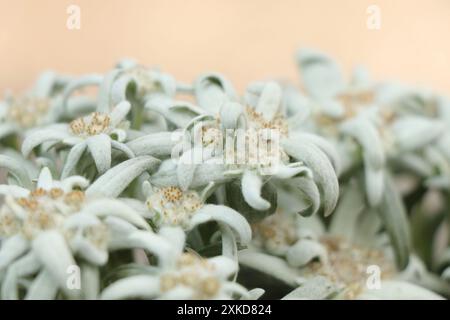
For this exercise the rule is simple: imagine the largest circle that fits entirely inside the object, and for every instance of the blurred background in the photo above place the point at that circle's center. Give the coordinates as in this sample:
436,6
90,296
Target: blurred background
246,40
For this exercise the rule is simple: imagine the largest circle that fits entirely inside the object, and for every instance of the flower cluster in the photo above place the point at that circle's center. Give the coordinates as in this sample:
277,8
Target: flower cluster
334,189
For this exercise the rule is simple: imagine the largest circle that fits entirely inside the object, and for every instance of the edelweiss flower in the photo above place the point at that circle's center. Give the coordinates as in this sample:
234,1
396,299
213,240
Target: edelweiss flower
171,206
259,156
42,105
333,263
147,81
161,198
44,229
348,110
180,275
99,132
421,139
211,91
145,88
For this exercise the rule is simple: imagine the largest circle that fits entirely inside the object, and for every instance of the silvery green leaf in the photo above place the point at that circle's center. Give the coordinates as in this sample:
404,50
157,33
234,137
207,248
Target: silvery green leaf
393,215
9,290
351,204
187,166
141,286
84,249
166,81
16,170
238,202
305,251
90,281
271,265
316,288
321,75
416,272
438,159
116,179
439,182
45,84
52,251
78,106
229,243
252,93
119,226
196,124
36,137
290,198
68,184
414,132
366,134
180,113
45,162
137,205
332,108
232,115
81,220
251,190
43,287
155,144
227,216
104,92
83,81
320,165
122,87
374,180
310,227
122,148
297,107
211,188
444,259
253,294
205,173
112,207
269,101
282,171
154,244
7,129
119,231
446,274
323,144
119,113
100,148
443,106
69,140
47,145
443,144
175,236
416,163
23,267
368,228
309,188
233,289
224,267
185,88
299,194
45,180
212,90
11,249
398,290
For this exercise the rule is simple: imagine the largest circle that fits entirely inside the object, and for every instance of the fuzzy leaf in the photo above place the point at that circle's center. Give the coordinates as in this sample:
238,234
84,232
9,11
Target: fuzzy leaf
393,215
115,180
237,201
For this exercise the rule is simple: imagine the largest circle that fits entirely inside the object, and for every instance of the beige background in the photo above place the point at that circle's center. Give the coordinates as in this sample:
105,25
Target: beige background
245,39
